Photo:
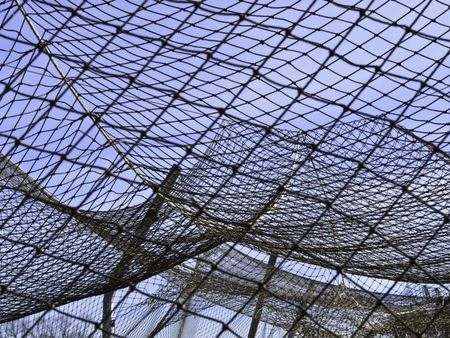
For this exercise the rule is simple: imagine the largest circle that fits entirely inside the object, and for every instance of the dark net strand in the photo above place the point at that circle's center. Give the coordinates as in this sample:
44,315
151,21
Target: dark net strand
224,168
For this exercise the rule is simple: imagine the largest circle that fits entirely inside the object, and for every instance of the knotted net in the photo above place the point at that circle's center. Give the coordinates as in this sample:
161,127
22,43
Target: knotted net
234,168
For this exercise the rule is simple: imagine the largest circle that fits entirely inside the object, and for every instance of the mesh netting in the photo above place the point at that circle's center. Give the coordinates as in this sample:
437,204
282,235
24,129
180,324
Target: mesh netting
224,168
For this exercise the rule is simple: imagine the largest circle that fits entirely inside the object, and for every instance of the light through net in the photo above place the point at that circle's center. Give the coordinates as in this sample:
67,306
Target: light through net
224,168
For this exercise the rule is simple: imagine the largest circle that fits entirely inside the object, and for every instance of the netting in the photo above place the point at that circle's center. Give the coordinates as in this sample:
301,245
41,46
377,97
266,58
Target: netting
224,168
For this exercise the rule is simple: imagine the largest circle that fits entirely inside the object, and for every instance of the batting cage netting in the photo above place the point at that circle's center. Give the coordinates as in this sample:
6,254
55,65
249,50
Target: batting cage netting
271,168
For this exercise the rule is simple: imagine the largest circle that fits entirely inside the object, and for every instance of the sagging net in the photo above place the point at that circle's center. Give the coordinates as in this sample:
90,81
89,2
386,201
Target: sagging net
224,168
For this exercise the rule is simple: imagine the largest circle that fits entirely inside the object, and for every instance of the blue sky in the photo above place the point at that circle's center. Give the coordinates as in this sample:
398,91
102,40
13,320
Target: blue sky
164,81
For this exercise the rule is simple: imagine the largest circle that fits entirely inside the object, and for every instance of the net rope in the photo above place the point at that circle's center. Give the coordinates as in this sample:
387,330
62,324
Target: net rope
239,168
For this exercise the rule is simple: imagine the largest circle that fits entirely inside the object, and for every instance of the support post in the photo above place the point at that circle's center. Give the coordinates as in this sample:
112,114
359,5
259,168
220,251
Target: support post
149,219
261,298
141,231
185,297
107,320
184,320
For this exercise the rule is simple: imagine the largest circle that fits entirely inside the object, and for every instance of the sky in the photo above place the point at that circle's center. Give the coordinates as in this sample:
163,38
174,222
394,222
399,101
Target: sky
162,83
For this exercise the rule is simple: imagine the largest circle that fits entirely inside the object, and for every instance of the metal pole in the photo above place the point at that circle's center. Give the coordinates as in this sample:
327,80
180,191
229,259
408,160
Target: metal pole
184,320
140,233
261,298
107,320
122,266
185,297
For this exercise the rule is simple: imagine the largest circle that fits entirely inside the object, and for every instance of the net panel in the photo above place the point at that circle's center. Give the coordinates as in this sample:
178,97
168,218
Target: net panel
242,168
